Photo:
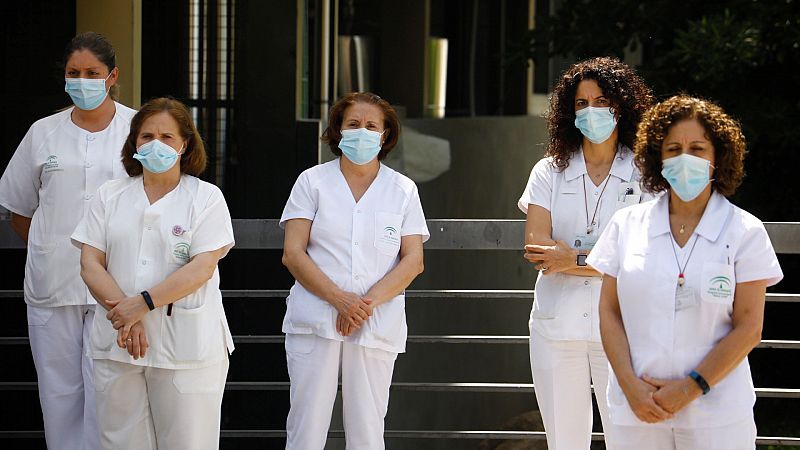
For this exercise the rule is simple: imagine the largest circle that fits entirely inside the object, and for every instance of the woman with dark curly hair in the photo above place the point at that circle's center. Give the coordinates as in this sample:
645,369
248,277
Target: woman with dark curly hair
685,276
587,174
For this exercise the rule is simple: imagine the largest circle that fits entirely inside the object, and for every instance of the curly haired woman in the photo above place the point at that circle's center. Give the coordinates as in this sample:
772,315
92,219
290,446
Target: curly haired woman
685,276
587,174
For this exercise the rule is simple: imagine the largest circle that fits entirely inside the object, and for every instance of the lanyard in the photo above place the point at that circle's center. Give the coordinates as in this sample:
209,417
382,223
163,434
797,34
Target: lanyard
681,270
591,224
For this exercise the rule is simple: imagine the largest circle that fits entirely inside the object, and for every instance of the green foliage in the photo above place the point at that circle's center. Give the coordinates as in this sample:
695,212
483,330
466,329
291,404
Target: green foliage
740,53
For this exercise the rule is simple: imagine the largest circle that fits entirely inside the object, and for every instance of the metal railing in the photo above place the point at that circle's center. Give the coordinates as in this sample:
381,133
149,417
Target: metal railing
446,234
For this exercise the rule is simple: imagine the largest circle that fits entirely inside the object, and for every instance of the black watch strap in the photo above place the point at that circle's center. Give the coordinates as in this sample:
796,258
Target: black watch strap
148,300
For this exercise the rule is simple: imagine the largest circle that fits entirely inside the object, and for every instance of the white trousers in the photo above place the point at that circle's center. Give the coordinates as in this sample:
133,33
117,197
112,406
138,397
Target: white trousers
562,374
147,408
314,365
737,436
58,337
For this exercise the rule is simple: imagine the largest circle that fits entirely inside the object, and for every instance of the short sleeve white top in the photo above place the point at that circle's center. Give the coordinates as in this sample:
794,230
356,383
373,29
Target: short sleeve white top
52,177
566,306
144,244
667,338
355,244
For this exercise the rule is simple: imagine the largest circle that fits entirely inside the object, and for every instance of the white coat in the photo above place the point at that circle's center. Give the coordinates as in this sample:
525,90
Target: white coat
667,341
355,244
51,178
144,244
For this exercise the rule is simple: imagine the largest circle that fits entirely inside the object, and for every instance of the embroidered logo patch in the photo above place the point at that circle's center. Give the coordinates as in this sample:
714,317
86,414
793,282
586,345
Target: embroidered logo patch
720,287
181,251
389,235
51,165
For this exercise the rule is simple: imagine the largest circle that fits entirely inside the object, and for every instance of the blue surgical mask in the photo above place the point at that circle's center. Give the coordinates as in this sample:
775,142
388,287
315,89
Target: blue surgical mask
687,175
360,146
156,156
596,124
86,93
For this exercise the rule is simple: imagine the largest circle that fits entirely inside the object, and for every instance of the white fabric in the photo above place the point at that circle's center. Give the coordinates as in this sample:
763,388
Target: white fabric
314,365
355,245
51,178
144,244
64,372
739,435
150,408
562,374
565,306
636,248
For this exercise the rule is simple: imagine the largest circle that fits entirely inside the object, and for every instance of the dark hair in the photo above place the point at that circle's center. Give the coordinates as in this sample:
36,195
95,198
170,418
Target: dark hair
333,134
629,96
95,43
100,47
724,133
193,160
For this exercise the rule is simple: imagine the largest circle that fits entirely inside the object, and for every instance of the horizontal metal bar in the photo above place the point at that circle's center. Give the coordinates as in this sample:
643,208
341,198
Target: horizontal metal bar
523,294
424,339
446,234
407,434
405,386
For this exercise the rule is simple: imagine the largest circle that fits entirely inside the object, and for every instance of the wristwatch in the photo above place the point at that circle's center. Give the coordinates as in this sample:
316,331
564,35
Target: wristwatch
580,261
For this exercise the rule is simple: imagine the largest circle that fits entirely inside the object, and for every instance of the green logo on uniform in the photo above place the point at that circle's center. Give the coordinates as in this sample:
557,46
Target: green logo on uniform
51,164
391,231
720,287
181,251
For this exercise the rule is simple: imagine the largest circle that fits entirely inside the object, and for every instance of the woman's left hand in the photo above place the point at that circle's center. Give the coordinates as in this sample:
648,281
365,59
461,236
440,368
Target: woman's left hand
673,395
551,258
125,313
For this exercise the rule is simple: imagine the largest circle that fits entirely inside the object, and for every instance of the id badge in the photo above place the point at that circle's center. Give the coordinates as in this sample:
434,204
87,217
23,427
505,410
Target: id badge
685,297
584,241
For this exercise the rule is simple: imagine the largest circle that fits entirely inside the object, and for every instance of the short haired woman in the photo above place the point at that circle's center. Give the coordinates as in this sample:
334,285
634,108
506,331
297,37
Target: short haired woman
150,244
354,234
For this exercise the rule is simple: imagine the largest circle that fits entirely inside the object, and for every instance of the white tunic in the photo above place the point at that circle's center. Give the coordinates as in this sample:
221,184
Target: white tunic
566,305
144,244
51,178
355,245
668,339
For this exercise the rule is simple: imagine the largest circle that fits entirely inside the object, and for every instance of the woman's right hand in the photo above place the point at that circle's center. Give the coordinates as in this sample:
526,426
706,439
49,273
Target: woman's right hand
136,343
353,309
640,398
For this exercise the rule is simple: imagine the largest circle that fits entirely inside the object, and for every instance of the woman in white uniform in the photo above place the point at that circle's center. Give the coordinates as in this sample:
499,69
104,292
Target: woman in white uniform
586,175
47,186
683,292
354,234
150,244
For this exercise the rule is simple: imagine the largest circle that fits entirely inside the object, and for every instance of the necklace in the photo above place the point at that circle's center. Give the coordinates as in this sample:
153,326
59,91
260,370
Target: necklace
681,270
683,228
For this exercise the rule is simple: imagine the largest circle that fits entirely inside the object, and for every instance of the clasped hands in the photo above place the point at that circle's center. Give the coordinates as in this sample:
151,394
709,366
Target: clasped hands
654,400
551,258
353,312
125,316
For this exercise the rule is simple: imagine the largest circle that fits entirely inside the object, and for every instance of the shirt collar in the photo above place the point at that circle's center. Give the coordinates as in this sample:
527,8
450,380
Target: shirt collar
622,167
711,223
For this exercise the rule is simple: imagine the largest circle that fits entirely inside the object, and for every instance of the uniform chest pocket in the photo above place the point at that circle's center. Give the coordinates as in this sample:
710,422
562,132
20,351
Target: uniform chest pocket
179,245
718,283
387,232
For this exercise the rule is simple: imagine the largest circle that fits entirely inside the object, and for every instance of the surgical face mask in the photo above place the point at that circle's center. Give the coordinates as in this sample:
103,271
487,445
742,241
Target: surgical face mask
156,156
86,93
596,124
360,146
687,175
